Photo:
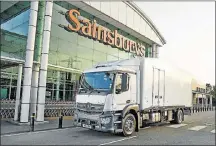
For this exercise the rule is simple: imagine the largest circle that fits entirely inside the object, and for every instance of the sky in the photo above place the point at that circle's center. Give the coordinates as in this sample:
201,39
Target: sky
189,29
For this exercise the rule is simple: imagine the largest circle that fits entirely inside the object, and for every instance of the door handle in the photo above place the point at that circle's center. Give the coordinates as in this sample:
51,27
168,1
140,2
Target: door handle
128,101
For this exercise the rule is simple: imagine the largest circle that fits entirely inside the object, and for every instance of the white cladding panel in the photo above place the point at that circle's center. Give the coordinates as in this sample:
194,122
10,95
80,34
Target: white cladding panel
127,15
178,89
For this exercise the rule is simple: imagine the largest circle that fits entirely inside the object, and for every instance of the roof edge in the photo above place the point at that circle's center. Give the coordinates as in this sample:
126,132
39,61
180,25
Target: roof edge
148,20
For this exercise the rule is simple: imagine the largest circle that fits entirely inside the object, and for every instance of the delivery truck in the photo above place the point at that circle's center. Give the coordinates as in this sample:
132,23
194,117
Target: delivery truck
126,95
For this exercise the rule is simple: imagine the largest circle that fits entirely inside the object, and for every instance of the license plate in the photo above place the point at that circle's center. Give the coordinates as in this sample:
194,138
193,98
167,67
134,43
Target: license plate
86,126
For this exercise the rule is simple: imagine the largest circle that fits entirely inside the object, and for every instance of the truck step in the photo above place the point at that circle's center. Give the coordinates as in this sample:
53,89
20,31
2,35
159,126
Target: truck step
117,114
116,122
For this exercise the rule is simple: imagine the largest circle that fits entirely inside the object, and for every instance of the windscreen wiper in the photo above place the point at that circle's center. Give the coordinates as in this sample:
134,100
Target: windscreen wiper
86,85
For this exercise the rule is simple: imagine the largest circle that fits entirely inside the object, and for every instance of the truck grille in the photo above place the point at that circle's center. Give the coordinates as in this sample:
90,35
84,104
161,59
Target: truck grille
89,108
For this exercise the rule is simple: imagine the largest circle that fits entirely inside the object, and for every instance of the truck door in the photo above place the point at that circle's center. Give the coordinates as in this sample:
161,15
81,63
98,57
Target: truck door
158,87
122,95
161,83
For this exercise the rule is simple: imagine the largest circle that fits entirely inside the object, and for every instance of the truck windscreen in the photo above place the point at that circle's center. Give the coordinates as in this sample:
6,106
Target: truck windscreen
97,81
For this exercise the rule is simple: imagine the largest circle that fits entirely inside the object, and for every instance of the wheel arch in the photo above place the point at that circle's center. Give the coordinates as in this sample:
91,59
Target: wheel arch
132,109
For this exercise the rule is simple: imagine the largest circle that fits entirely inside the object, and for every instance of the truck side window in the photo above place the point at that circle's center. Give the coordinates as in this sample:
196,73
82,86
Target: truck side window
122,82
118,82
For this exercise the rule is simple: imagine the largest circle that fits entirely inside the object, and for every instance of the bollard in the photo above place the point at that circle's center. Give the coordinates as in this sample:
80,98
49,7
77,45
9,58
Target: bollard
60,121
193,109
32,121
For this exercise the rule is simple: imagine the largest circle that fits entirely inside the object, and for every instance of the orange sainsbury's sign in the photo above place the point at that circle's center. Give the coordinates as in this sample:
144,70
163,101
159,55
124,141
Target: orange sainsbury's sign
97,32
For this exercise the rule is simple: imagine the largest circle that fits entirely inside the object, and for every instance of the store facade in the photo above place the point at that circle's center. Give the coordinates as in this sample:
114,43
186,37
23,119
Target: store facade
46,45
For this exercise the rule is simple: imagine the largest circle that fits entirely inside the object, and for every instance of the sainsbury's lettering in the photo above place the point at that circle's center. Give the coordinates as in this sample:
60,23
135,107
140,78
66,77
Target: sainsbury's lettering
92,30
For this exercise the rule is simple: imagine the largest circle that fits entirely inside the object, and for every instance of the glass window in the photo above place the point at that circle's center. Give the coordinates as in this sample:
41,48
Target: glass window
118,82
53,43
68,36
99,56
122,82
148,51
56,16
63,60
112,58
83,64
98,80
23,17
100,47
18,24
123,54
84,52
7,25
53,58
13,45
66,47
96,62
112,51
21,29
54,30
85,42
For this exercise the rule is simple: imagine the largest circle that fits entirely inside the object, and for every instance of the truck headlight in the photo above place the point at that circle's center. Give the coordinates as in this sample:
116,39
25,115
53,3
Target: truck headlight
105,120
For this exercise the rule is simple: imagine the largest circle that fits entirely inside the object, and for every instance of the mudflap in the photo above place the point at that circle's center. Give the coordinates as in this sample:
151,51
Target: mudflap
187,111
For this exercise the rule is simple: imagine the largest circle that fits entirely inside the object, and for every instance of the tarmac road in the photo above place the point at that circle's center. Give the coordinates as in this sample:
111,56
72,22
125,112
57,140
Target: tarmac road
197,129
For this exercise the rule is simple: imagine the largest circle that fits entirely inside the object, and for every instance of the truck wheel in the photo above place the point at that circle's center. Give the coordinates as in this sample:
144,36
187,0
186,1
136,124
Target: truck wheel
178,117
129,125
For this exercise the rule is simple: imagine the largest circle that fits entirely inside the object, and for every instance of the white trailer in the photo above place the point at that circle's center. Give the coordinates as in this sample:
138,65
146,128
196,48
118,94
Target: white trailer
124,96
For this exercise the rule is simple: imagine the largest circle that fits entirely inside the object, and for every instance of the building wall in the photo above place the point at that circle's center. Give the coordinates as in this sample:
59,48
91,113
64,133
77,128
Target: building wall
71,50
127,15
68,50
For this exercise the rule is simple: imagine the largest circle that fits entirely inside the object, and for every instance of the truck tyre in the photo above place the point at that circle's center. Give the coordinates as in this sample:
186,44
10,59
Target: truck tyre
128,125
178,117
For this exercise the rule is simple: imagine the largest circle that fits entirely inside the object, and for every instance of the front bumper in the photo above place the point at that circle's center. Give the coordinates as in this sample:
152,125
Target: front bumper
95,123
